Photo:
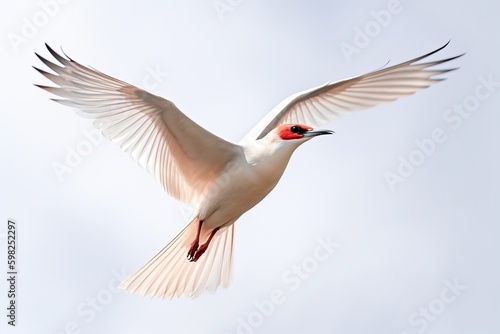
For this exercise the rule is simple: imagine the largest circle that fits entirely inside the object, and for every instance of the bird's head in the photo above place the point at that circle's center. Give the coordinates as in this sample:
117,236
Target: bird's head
281,142
299,132
287,137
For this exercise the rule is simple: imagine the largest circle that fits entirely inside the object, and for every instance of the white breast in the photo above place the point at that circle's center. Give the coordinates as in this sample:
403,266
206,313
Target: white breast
244,182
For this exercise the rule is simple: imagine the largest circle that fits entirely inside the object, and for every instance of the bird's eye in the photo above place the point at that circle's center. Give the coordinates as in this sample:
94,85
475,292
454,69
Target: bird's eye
295,129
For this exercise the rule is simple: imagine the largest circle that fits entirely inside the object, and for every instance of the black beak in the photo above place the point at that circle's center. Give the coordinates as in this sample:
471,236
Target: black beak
314,133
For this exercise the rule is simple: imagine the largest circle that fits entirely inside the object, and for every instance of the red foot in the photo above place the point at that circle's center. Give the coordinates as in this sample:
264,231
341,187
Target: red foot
193,256
199,252
192,250
195,244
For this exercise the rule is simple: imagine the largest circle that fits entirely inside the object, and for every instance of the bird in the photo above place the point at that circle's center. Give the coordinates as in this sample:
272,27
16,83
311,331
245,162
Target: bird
221,180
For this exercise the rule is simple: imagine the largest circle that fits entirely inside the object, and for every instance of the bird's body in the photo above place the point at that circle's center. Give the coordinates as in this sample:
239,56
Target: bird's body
220,179
243,183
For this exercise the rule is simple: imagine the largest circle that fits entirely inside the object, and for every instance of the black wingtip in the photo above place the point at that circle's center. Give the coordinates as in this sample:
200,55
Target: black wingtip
64,53
438,49
42,86
57,56
452,58
39,70
49,48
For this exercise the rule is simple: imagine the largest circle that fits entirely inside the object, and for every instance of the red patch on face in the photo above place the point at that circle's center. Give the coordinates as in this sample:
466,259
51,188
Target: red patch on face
292,131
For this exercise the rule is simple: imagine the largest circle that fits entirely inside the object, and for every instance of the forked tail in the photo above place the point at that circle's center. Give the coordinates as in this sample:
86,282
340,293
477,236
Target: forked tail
169,273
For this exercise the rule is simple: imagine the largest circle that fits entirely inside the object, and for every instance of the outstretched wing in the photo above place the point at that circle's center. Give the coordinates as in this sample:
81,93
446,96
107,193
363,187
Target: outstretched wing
320,105
181,155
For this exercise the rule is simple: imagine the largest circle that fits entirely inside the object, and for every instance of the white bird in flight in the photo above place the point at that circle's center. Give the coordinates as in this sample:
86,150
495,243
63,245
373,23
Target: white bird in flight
220,179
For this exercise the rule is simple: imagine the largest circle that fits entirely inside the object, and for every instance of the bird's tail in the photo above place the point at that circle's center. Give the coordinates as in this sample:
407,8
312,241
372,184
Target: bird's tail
169,274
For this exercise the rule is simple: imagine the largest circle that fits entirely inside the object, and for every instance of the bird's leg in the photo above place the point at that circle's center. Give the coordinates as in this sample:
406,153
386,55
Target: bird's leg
203,248
195,243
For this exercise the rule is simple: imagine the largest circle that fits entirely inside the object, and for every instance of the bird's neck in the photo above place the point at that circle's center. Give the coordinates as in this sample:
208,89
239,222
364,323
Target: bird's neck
269,157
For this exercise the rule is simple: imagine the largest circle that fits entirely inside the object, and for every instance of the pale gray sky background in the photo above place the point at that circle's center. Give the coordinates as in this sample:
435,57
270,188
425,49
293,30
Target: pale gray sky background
420,256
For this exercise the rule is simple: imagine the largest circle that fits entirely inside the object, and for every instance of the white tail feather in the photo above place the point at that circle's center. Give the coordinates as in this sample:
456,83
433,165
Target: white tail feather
169,274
